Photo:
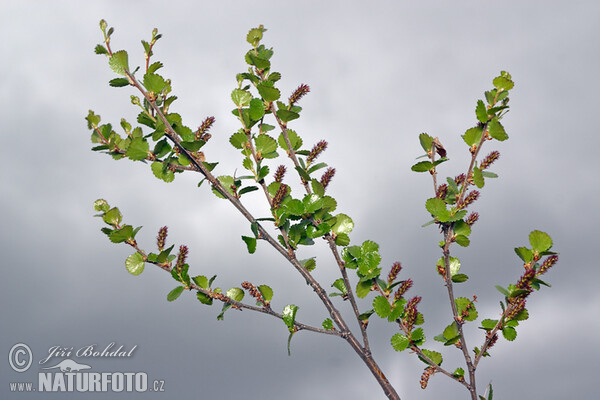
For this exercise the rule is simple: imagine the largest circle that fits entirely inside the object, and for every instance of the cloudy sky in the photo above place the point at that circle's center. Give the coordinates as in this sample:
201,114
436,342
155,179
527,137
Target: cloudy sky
379,75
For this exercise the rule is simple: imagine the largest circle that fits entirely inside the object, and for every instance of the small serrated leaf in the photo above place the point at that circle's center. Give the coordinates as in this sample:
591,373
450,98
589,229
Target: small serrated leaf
496,130
399,342
381,306
119,62
481,112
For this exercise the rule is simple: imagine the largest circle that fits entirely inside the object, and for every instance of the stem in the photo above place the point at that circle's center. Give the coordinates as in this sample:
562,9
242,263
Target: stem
458,318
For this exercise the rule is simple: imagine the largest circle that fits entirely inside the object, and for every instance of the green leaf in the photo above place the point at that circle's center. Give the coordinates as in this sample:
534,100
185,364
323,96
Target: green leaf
235,293
201,281
155,66
265,144
112,216
257,109
287,115
266,292
154,82
340,285
310,264
119,82
204,299
381,306
99,49
503,83
462,240
258,62
119,62
465,305
481,112
138,149
317,187
399,342
540,241
121,235
502,290
135,264
289,316
161,171
255,35
295,140
175,293
459,278
436,206
489,324
433,356
509,333
363,288
101,205
478,178
473,135
426,141
487,174
327,324
451,331
238,140
268,92
241,98
524,254
417,336
250,243
294,207
342,239
496,130
422,166
343,224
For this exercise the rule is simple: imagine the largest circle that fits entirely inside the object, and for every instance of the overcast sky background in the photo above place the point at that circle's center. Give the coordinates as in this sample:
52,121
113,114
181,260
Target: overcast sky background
380,73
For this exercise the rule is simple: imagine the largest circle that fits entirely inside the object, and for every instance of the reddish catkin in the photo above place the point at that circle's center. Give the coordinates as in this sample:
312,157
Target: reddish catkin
183,252
316,151
161,238
394,271
202,132
327,176
280,173
299,93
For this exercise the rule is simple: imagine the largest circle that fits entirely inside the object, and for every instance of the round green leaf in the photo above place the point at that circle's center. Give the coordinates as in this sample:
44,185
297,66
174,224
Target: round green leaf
235,293
540,241
399,342
328,324
241,98
509,333
135,264
266,291
343,224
